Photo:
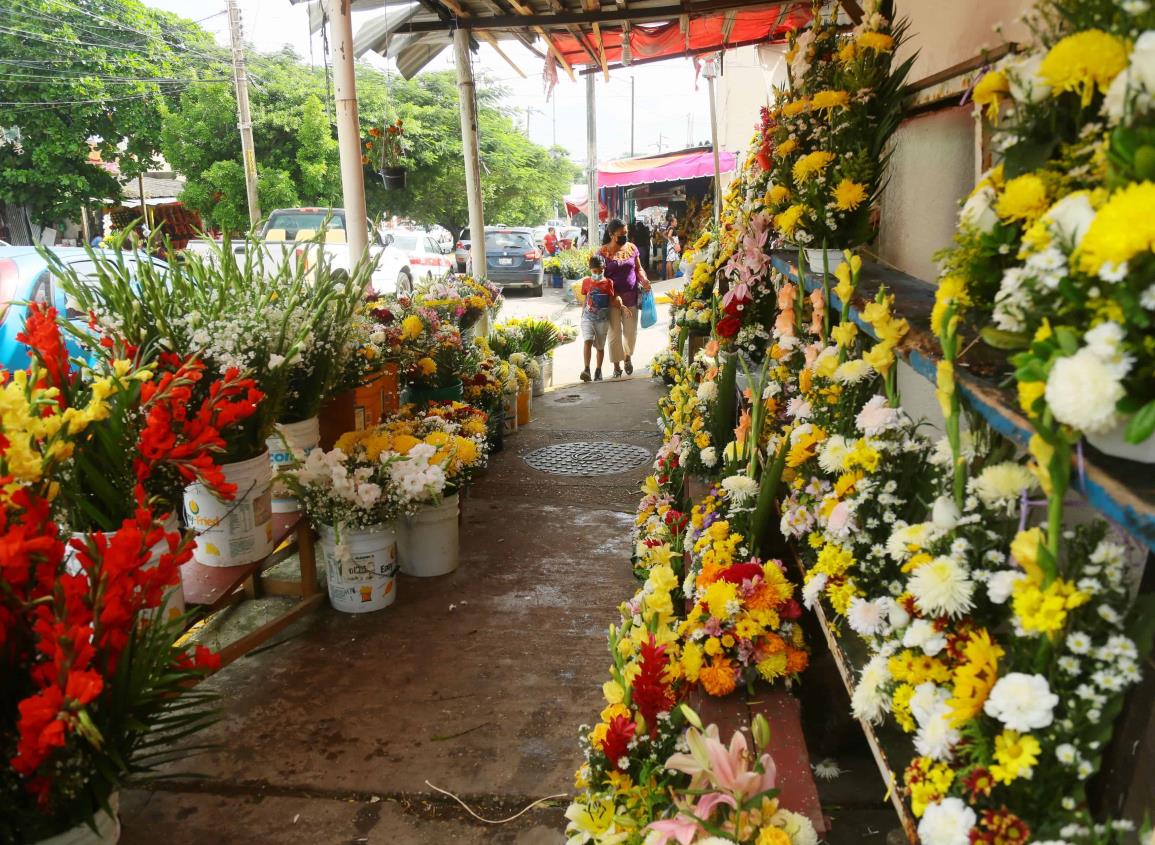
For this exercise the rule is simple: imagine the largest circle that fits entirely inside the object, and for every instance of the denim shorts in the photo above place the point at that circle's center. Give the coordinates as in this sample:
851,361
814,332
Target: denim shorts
595,329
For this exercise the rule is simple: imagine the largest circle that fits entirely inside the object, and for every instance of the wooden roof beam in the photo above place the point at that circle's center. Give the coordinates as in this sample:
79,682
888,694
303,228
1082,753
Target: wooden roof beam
486,36
526,12
853,10
595,6
604,16
728,25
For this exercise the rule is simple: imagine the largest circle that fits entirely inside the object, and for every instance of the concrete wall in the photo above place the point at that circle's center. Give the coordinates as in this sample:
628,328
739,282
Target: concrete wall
946,32
749,74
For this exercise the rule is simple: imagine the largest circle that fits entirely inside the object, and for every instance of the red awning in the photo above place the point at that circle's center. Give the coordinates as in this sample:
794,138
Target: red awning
655,41
674,168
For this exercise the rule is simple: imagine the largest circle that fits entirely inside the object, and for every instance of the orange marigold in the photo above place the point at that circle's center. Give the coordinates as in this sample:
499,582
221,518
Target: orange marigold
796,660
772,644
719,678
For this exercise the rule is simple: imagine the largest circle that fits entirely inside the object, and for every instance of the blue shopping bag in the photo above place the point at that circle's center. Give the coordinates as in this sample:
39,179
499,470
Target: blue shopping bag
649,310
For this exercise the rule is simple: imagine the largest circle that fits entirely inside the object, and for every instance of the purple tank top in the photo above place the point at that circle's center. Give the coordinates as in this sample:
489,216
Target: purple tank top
625,278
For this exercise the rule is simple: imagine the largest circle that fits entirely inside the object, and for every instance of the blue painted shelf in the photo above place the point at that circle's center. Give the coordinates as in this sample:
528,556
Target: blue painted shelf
1123,491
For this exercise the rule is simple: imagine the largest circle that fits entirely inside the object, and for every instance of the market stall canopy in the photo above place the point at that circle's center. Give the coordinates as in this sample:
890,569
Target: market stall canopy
679,167
578,202
577,33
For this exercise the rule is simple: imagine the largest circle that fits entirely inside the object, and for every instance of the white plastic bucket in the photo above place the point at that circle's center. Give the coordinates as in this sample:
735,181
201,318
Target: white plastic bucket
291,442
237,532
107,829
364,578
428,541
544,375
172,604
814,260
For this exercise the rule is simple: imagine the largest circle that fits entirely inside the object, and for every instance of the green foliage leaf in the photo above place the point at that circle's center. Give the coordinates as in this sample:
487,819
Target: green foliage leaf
1142,425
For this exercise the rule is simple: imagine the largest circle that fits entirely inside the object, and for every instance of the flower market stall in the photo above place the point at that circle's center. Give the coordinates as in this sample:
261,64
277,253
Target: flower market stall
982,588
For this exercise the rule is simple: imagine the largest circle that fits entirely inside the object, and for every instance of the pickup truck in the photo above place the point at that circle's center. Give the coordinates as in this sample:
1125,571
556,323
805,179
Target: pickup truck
286,228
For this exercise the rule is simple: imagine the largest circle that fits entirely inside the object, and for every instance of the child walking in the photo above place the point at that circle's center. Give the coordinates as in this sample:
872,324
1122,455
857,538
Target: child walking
599,299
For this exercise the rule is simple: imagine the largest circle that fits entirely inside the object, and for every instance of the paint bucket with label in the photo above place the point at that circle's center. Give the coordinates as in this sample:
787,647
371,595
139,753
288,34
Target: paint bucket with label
233,533
361,566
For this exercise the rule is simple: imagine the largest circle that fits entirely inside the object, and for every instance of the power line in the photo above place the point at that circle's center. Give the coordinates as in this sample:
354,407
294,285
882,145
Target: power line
20,105
113,80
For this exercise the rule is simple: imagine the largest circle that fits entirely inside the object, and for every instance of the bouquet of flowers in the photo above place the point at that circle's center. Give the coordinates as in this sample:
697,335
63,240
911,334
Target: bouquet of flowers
92,694
352,485
461,299
435,350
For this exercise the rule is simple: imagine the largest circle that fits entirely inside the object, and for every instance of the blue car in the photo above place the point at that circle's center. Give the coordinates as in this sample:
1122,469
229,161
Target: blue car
24,277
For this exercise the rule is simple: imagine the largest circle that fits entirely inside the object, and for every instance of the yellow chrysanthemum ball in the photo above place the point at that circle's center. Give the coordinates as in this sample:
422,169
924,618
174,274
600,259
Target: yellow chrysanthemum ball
785,148
1122,229
849,195
412,327
796,107
1024,198
990,92
811,164
777,195
1084,62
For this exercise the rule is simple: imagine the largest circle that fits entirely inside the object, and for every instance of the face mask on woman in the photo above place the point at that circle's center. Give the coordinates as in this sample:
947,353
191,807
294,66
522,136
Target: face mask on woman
597,275
620,238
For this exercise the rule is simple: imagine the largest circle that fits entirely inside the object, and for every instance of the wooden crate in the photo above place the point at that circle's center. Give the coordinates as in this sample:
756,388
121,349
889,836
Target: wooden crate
361,407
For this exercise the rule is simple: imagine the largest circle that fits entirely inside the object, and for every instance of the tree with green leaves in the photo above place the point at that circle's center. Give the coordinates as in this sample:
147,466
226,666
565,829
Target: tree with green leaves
78,76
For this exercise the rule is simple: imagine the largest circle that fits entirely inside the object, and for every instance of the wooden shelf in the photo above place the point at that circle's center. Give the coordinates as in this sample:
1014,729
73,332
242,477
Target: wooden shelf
1123,491
213,586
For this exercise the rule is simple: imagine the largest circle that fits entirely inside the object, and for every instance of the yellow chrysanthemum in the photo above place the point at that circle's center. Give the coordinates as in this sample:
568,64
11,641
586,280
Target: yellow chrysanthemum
777,195
975,678
878,41
829,100
787,222
1015,756
811,164
849,195
785,148
1084,62
412,327
1024,198
848,53
1122,229
795,108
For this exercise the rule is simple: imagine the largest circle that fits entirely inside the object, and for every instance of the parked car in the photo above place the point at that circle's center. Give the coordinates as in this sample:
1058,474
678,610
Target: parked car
513,259
24,277
426,257
568,235
286,228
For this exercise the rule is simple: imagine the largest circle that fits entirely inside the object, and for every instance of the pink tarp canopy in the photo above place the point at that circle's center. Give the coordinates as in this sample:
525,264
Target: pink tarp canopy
675,168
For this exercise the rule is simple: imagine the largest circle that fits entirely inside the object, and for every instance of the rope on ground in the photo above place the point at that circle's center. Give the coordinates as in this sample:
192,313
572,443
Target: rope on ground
469,809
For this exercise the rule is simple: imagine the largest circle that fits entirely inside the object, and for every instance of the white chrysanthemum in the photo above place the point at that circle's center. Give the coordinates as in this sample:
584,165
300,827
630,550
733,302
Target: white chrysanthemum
812,590
868,700
1070,218
797,827
876,417
928,699
949,822
945,513
852,371
798,408
1001,584
866,617
1082,391
1024,81
923,635
709,456
942,588
937,736
827,769
740,487
708,391
906,539
1022,702
1002,483
832,453
1106,342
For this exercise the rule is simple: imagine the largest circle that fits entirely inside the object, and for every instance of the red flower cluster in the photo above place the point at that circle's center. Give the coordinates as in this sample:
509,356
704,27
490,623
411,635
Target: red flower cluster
616,745
766,148
42,336
651,693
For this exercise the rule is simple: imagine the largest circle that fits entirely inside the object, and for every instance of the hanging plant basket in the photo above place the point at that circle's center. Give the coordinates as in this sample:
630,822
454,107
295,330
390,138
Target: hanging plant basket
394,178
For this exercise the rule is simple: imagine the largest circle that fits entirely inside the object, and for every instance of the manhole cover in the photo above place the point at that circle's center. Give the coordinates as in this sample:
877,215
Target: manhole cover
588,458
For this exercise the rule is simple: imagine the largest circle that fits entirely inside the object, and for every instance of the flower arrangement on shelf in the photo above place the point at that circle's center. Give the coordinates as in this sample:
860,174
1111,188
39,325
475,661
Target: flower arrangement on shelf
1046,244
92,695
830,128
436,353
351,486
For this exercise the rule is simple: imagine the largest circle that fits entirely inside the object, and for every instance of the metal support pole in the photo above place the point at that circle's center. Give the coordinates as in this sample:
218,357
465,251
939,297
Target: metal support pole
244,116
467,100
594,211
713,68
633,114
348,130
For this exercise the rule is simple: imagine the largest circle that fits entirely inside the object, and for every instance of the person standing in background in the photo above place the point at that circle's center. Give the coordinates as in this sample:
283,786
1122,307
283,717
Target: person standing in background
550,241
624,269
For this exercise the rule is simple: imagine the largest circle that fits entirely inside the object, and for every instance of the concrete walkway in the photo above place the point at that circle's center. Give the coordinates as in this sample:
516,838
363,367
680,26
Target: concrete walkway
476,681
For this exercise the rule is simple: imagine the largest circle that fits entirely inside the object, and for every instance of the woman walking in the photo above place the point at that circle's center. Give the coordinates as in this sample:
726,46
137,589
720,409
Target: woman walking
624,269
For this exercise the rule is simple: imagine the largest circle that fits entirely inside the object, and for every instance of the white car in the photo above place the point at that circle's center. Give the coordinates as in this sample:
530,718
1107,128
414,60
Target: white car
427,258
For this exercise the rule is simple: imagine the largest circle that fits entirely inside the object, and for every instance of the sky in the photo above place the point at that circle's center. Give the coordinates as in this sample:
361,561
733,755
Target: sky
668,111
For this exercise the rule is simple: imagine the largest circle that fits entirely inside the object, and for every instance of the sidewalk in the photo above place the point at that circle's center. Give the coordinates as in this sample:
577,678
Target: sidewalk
476,681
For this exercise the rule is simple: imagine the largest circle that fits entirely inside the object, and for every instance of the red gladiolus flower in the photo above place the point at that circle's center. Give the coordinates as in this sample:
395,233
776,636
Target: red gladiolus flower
42,336
728,326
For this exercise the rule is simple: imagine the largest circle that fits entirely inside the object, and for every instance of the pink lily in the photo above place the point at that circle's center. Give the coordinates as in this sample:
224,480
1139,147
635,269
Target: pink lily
679,829
707,803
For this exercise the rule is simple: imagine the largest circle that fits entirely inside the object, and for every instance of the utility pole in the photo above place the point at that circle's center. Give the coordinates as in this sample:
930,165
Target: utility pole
594,215
348,130
554,101
633,113
244,116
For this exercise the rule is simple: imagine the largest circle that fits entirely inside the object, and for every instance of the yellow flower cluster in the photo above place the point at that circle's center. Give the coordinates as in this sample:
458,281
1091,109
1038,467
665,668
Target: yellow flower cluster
811,164
890,331
1085,62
